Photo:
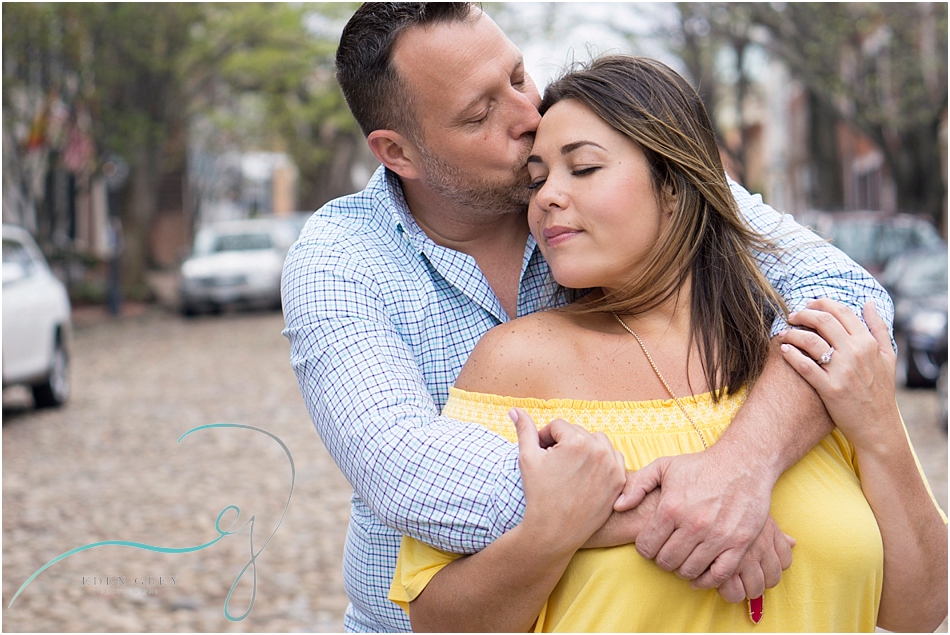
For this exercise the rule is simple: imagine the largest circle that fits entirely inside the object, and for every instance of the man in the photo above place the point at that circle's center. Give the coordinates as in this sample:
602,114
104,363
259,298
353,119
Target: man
387,291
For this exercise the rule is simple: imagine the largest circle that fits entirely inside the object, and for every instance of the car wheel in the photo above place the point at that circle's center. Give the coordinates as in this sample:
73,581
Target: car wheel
901,360
916,378
907,372
54,391
942,397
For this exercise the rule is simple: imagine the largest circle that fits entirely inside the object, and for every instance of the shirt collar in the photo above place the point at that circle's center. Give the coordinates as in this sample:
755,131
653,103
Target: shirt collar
402,218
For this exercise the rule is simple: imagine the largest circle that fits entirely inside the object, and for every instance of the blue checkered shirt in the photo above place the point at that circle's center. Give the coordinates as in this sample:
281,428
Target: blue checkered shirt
380,321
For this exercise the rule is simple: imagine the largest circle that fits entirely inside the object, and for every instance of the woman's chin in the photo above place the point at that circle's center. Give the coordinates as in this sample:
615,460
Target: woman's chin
569,283
576,280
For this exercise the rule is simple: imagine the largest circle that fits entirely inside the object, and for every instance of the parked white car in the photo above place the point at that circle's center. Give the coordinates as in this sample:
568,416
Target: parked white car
36,321
236,263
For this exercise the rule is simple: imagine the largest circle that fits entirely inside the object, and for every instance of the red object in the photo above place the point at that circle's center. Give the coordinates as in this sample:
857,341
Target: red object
755,609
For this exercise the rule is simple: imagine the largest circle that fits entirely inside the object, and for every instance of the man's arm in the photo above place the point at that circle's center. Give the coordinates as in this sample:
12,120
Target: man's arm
714,504
504,587
450,484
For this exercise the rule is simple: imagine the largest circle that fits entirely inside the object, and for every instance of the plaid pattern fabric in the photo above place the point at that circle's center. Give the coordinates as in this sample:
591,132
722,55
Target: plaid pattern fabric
380,320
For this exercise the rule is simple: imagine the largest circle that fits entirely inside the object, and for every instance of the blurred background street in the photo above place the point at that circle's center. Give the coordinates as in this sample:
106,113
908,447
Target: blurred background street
107,467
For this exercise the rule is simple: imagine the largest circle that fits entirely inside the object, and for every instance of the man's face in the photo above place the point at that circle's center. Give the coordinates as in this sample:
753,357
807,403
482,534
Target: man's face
476,110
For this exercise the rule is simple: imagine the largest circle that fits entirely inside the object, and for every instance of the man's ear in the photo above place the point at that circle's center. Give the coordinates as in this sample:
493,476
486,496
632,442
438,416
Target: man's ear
396,152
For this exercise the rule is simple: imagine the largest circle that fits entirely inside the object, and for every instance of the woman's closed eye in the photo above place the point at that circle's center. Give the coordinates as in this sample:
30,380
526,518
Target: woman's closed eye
536,184
539,182
585,171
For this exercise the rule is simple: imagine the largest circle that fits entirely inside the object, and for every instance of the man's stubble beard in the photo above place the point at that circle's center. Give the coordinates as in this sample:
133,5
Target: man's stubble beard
484,197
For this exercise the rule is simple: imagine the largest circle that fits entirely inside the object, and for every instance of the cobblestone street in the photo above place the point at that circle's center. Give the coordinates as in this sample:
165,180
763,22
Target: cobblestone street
109,466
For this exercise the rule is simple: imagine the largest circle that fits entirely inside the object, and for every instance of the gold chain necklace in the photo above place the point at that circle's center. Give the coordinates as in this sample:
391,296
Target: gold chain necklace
663,381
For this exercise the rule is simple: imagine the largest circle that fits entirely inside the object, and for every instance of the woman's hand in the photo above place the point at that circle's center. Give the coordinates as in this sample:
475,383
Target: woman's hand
856,379
571,479
857,387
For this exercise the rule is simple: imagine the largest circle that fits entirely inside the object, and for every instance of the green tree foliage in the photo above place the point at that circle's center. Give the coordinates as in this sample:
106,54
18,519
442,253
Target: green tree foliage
880,67
146,71
280,58
121,61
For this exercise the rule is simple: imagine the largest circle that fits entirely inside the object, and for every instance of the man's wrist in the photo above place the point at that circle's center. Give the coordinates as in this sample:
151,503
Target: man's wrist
622,528
782,419
760,464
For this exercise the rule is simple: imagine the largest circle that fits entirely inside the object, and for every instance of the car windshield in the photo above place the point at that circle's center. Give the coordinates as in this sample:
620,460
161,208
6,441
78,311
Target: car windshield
16,257
922,275
871,242
210,243
15,252
856,240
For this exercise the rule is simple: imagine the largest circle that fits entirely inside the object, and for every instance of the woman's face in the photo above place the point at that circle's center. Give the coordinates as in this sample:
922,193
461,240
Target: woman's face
593,210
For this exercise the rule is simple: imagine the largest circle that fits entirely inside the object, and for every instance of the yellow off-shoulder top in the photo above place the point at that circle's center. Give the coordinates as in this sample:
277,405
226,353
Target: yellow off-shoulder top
835,580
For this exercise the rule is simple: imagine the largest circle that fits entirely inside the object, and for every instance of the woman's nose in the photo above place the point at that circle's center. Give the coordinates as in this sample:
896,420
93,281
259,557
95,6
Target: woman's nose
550,196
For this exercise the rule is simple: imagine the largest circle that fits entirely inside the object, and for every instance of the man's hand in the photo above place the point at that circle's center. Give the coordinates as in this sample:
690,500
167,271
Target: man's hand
709,514
714,504
760,568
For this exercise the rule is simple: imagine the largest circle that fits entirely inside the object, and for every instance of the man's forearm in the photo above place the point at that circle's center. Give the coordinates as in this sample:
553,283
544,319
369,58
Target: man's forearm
718,500
370,403
782,419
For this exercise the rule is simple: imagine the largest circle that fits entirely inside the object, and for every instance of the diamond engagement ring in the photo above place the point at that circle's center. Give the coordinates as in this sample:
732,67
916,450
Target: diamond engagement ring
826,357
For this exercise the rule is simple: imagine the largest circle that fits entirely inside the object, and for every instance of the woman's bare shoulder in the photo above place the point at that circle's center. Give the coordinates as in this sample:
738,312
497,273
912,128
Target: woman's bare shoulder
516,358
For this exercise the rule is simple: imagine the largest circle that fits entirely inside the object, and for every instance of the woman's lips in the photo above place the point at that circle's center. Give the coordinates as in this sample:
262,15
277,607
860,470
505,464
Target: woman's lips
557,235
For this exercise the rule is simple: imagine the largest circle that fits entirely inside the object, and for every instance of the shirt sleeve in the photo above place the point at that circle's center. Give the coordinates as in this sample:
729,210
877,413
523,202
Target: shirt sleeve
416,565
451,484
806,266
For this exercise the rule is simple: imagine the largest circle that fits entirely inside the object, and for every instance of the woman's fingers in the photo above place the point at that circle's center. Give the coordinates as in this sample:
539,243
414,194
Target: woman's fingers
834,326
856,381
844,316
879,329
528,440
808,343
825,325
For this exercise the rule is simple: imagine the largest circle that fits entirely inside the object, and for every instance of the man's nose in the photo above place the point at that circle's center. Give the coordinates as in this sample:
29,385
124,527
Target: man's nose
526,116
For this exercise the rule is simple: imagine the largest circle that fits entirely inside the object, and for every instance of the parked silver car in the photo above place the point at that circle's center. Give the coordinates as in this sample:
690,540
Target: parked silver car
917,282
872,238
235,263
36,321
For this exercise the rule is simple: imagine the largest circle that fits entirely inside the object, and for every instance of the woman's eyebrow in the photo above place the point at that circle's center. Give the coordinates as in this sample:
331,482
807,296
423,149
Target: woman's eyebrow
570,147
567,149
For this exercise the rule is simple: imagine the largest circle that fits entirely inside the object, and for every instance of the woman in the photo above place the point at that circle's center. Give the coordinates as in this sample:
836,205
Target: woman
629,199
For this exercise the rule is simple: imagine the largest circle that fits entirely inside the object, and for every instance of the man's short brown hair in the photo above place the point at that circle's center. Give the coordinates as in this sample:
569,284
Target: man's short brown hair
377,97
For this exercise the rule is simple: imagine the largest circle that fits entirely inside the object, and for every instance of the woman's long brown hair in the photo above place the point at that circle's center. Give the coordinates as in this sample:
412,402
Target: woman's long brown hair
706,239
